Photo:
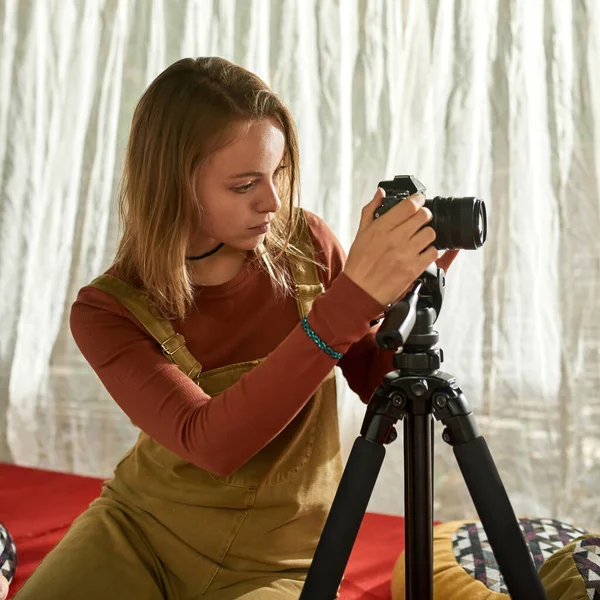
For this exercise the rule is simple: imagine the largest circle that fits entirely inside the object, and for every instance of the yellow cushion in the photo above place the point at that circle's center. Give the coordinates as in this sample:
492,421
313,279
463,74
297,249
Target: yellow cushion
573,572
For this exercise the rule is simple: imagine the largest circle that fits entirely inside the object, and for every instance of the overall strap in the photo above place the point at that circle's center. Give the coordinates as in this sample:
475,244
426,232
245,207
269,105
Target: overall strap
172,343
305,274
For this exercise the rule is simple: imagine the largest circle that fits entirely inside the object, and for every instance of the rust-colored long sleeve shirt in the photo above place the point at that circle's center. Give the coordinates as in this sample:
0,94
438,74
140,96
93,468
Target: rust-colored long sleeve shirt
237,321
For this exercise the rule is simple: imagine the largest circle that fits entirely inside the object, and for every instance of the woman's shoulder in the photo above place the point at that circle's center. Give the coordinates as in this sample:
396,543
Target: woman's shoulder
98,321
327,246
317,225
321,233
95,301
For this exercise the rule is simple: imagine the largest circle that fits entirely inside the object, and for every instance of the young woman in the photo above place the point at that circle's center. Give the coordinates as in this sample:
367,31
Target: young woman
254,302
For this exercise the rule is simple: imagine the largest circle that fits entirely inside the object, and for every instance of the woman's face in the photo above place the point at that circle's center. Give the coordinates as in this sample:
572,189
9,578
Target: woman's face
238,189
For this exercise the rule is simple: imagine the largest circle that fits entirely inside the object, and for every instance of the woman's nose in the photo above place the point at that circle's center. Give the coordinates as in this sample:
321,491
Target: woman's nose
270,202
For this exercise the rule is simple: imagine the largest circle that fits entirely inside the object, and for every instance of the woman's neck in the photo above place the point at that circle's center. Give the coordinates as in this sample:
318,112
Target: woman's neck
219,268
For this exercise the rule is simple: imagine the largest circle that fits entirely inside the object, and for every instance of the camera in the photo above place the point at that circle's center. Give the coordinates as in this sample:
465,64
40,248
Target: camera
459,223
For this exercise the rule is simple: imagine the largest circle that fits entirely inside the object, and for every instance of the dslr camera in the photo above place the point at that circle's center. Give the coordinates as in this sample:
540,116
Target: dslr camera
459,223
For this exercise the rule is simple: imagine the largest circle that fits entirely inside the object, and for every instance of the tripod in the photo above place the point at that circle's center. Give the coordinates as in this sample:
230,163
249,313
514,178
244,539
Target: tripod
416,392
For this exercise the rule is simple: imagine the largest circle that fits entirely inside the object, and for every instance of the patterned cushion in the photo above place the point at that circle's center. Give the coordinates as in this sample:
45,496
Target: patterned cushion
465,567
474,553
8,554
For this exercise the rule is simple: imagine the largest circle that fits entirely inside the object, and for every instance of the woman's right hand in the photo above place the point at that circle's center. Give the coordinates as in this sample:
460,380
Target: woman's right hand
389,253
3,587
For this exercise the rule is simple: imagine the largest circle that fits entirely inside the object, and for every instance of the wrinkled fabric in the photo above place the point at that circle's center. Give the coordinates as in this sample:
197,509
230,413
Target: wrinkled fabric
497,100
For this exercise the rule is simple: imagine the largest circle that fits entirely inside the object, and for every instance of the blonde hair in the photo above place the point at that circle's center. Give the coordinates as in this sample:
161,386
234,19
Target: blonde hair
184,115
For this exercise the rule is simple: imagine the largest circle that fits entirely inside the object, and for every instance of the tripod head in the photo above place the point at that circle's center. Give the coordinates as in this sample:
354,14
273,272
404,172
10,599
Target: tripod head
408,325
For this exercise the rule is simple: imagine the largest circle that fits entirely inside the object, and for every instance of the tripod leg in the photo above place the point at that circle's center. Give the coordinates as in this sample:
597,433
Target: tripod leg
418,494
489,497
432,470
344,520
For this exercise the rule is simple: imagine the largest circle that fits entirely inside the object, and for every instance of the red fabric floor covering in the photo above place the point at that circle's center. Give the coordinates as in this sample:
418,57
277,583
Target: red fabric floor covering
38,506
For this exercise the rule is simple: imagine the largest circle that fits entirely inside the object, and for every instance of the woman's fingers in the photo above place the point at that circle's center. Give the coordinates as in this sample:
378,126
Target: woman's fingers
367,212
427,257
409,228
424,237
403,211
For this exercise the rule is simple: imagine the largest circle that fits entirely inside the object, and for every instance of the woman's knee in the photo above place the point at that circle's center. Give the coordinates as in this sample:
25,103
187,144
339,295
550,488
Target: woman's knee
101,556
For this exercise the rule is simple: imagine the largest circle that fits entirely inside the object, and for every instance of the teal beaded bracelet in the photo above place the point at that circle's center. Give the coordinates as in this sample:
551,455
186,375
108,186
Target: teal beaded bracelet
318,341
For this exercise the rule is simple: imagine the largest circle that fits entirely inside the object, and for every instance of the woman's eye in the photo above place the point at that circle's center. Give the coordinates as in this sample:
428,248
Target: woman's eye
244,188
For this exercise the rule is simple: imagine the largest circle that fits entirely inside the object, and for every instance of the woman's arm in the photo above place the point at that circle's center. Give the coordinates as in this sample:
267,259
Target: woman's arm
179,415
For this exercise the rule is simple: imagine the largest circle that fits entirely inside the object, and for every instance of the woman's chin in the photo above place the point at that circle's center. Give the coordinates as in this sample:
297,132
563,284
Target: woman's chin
252,242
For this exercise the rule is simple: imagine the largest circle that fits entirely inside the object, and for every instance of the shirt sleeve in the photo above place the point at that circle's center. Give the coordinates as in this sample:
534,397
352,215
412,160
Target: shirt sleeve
165,404
365,362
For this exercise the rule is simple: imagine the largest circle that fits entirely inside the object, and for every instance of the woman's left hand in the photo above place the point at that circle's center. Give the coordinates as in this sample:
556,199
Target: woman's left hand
446,259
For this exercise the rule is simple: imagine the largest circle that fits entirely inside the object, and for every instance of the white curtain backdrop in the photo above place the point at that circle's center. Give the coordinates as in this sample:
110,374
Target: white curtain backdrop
498,99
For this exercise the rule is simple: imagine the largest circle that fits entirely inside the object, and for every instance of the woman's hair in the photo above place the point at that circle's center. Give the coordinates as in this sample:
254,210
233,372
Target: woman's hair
187,113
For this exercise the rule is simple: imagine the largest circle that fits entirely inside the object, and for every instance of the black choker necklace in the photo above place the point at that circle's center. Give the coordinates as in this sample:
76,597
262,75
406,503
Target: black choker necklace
207,254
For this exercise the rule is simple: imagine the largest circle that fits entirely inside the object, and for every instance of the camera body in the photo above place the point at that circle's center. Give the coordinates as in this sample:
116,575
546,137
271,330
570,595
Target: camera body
459,223
400,188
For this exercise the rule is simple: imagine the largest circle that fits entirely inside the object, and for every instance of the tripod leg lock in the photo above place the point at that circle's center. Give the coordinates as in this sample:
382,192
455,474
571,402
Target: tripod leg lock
451,408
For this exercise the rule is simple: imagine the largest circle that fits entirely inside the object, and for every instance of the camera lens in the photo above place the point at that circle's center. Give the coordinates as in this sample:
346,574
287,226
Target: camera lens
459,223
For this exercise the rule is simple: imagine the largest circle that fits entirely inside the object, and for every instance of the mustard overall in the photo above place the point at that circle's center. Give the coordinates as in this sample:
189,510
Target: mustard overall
163,528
